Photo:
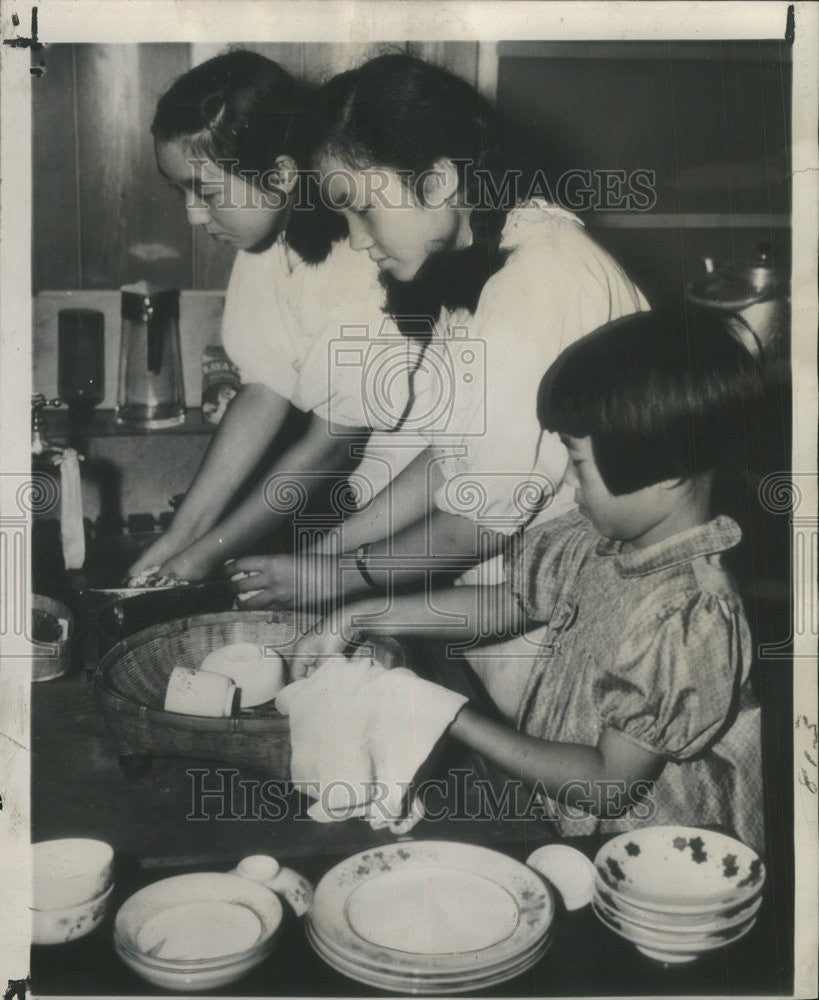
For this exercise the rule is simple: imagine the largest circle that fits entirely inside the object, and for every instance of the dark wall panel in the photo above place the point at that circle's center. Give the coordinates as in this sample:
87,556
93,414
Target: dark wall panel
131,223
711,120
56,225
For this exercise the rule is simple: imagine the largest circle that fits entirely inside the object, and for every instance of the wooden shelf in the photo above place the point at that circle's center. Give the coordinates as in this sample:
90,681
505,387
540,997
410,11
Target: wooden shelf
102,424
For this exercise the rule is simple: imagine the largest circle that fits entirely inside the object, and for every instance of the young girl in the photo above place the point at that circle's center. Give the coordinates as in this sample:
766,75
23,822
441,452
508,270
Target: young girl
637,707
412,157
229,135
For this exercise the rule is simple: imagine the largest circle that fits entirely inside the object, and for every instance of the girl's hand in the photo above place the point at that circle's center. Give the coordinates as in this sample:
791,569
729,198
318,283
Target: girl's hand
285,581
193,563
164,549
324,640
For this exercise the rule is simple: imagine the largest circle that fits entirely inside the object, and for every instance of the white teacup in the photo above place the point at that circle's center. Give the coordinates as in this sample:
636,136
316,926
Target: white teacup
199,692
257,671
70,872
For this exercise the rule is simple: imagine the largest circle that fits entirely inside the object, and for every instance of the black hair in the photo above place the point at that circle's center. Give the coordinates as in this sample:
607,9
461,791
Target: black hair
242,111
662,395
399,112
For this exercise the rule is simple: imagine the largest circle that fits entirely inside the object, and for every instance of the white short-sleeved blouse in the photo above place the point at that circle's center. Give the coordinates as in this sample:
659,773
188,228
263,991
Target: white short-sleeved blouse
556,285
286,322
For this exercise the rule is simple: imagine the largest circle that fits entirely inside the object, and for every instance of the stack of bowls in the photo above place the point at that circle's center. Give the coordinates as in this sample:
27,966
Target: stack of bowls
197,932
73,880
677,892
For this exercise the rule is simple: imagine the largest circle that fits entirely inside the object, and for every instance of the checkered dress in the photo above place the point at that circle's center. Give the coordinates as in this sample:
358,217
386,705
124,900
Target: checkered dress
653,644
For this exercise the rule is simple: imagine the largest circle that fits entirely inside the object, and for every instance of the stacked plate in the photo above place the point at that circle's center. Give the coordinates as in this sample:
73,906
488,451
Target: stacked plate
430,917
199,931
676,892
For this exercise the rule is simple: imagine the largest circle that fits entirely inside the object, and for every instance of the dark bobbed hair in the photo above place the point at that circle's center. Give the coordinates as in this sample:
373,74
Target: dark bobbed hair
399,112
242,111
662,395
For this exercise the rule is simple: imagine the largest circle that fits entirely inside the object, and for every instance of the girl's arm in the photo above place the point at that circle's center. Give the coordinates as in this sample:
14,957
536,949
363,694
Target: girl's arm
251,422
456,614
402,502
438,543
318,449
603,780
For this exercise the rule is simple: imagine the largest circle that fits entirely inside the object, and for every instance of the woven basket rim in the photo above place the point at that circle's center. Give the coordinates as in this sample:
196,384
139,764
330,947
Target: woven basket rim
176,626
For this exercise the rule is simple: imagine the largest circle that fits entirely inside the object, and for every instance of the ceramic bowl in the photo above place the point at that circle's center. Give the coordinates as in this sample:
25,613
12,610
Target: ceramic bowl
569,871
70,872
671,947
678,923
50,657
258,672
69,922
678,869
198,931
195,980
687,935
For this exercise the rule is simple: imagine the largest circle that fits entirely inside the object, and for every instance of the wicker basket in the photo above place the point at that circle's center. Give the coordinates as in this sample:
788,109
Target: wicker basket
132,677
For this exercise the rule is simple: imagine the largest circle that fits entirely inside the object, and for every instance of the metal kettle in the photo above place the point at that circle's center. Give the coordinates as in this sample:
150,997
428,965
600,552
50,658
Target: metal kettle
758,295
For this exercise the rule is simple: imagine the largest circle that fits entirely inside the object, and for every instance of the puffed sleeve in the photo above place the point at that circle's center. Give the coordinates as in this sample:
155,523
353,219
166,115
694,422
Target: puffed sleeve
672,682
539,563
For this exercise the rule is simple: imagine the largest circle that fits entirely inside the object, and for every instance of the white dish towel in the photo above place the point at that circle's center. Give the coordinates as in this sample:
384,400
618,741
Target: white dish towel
359,734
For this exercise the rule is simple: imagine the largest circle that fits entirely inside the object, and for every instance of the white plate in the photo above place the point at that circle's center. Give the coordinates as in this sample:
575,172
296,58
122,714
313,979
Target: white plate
678,869
420,973
401,909
422,985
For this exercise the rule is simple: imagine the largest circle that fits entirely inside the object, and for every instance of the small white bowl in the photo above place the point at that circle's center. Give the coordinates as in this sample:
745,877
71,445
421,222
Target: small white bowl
569,871
69,922
70,872
257,671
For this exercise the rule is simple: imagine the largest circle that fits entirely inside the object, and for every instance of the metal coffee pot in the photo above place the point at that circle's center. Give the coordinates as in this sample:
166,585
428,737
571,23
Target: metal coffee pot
758,295
150,392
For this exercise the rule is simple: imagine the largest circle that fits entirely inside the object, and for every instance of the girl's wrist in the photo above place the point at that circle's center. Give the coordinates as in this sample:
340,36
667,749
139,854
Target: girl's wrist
462,726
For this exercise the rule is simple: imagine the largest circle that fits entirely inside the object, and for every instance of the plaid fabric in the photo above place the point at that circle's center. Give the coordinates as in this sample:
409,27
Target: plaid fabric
653,644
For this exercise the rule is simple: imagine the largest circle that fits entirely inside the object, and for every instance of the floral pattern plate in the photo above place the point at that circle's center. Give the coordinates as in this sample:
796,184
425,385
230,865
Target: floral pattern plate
410,985
431,909
677,869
